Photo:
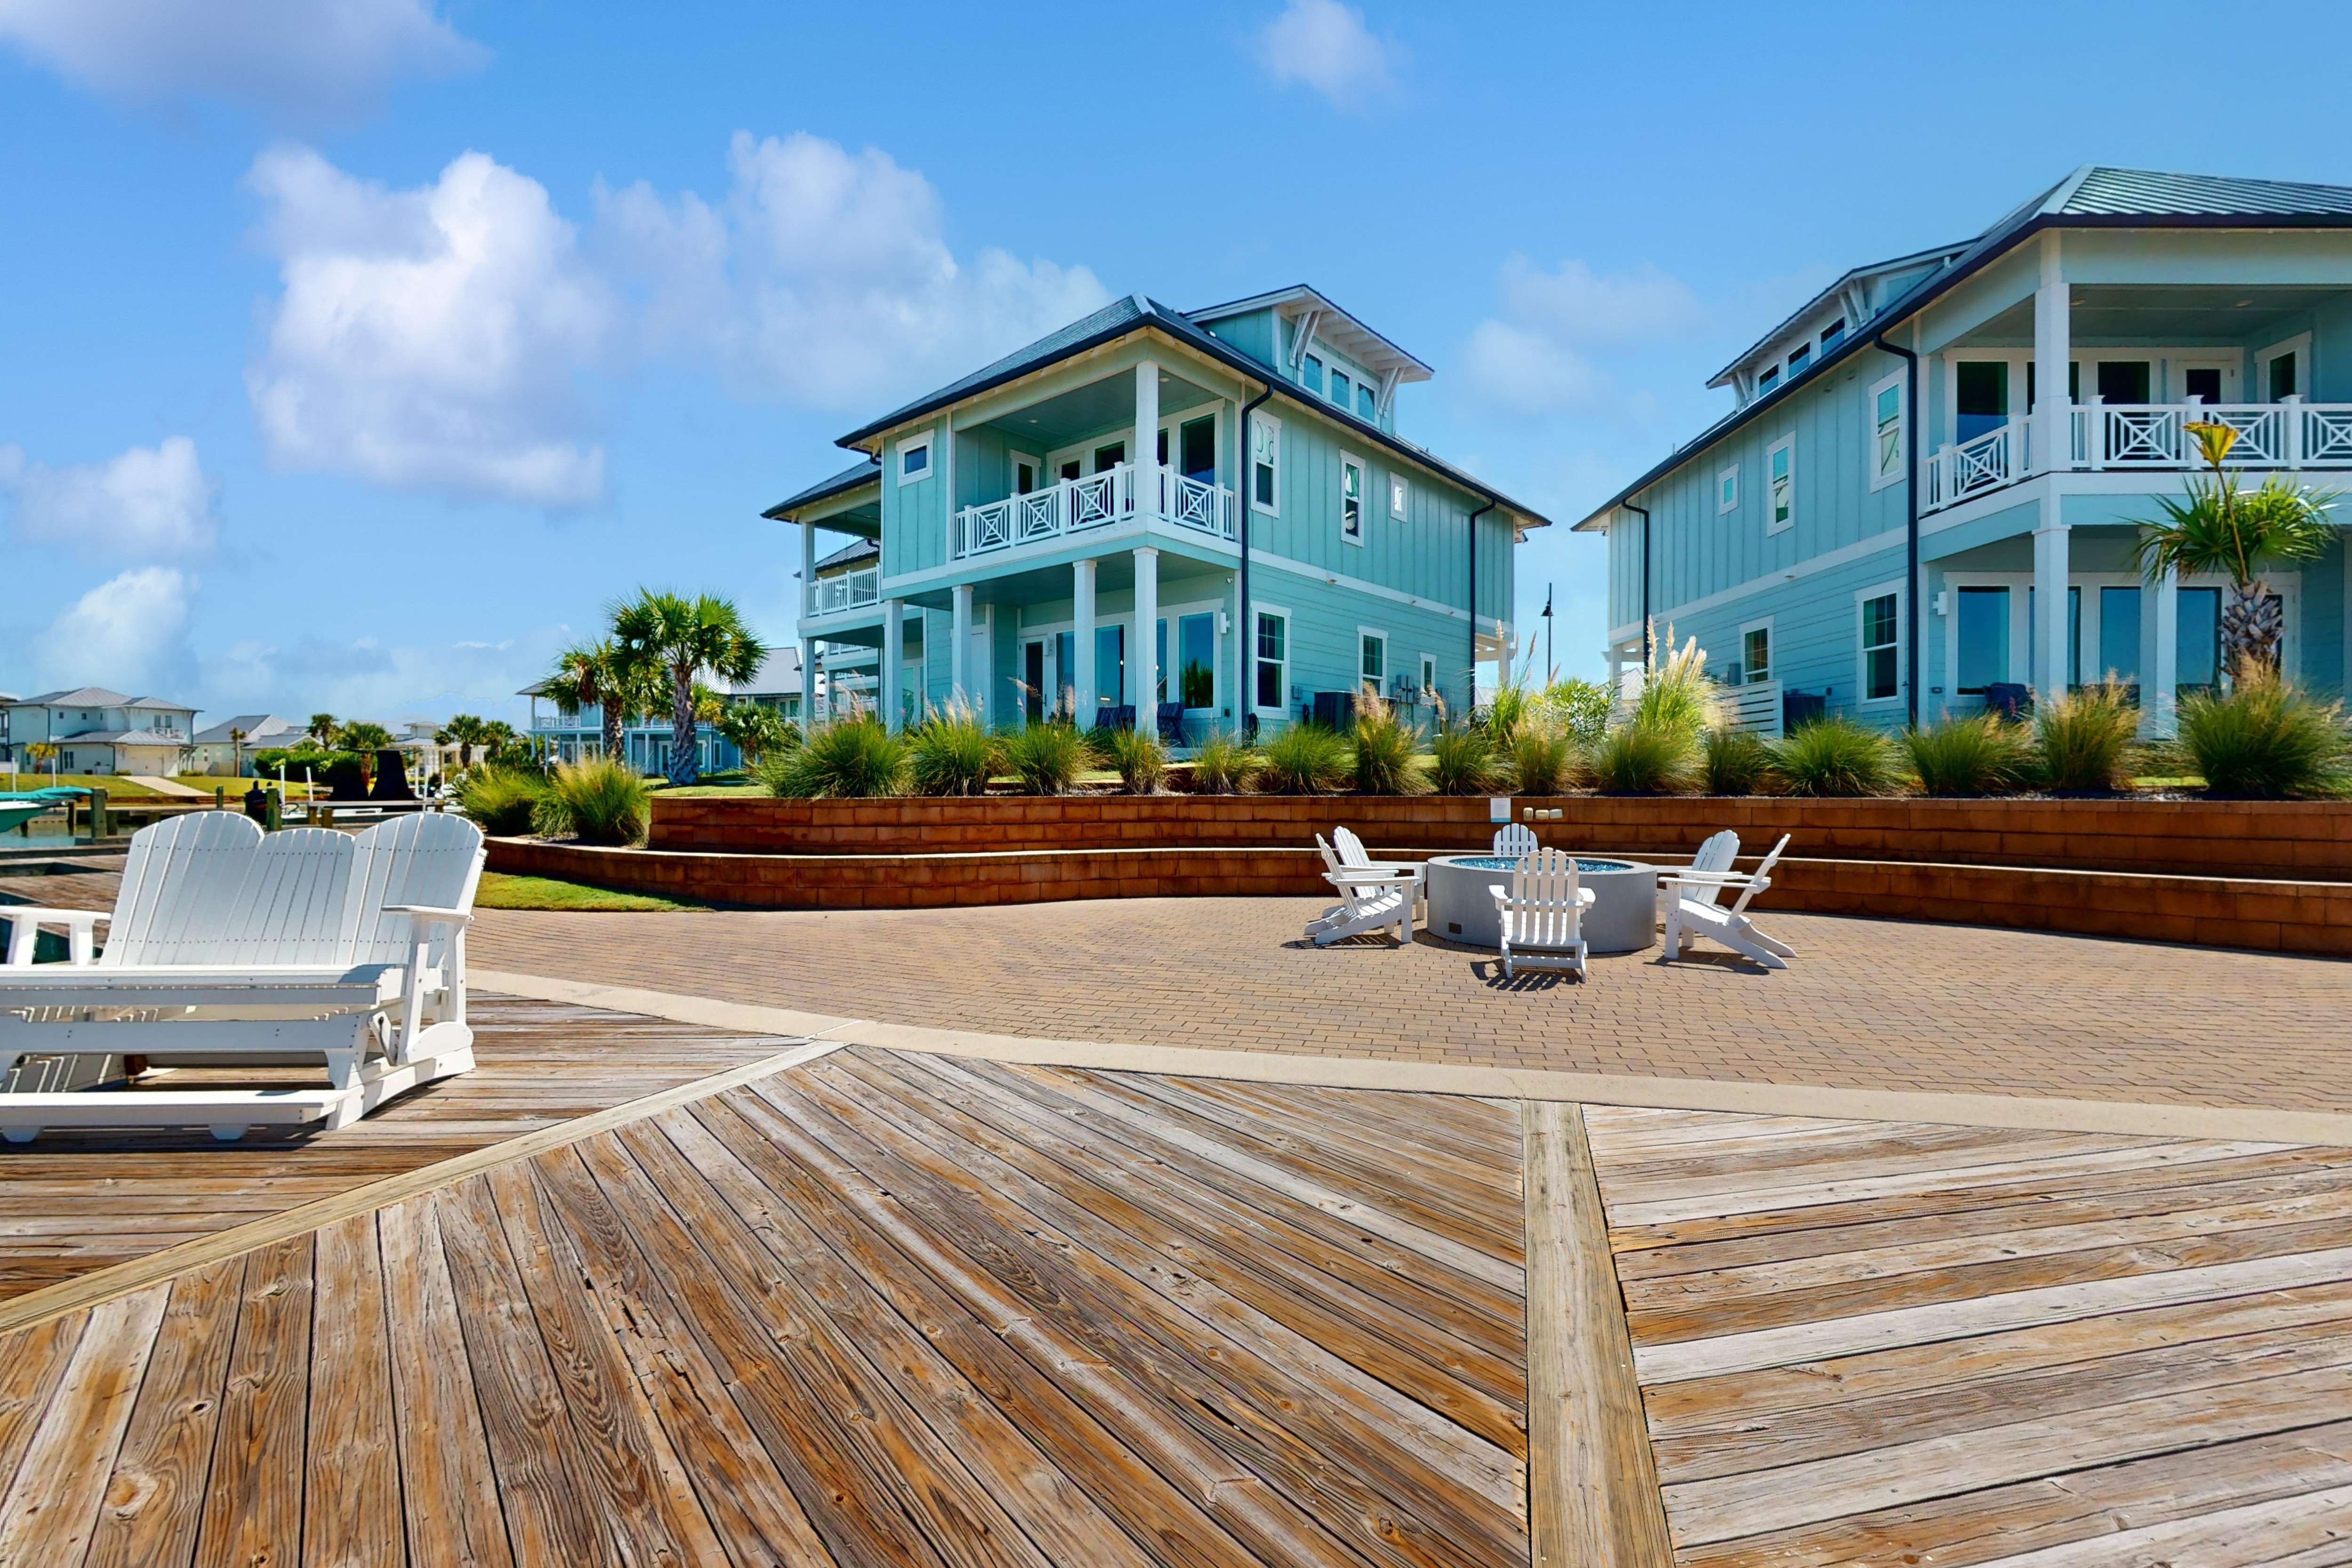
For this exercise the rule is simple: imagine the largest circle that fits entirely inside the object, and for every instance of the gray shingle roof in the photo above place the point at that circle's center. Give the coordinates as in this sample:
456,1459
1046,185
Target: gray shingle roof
863,472
855,550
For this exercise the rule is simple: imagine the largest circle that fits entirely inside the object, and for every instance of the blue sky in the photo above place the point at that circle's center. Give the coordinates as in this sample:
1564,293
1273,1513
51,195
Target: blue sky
358,352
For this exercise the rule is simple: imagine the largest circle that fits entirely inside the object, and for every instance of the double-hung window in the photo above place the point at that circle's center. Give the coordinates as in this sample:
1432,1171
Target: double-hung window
1265,463
1756,652
1780,473
1273,659
1881,637
1351,500
1373,658
1887,432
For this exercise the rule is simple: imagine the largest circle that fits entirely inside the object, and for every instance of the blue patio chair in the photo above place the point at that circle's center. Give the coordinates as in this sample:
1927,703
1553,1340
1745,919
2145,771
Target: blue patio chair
1172,724
2009,699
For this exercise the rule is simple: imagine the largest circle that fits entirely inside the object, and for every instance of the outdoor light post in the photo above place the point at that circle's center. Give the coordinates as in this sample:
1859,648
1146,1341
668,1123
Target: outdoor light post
1551,669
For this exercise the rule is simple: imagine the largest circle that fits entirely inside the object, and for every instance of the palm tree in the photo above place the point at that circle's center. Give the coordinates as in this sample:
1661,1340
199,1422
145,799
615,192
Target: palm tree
237,751
39,751
682,639
754,728
499,741
322,729
2220,527
361,735
598,675
465,732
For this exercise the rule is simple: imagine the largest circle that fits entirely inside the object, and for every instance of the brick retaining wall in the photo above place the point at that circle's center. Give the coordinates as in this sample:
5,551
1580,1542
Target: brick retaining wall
2275,915
2294,840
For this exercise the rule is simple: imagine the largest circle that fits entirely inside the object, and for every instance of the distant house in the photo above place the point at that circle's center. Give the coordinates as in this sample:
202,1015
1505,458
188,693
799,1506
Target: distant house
219,753
99,731
566,734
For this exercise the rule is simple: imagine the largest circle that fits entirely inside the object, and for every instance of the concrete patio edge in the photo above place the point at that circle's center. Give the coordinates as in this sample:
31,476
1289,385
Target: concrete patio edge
2016,1112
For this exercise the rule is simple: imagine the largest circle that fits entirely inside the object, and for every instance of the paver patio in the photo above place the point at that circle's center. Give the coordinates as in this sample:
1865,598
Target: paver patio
1868,1004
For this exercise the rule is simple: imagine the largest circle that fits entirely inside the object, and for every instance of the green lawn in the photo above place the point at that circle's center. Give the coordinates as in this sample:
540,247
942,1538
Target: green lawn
502,892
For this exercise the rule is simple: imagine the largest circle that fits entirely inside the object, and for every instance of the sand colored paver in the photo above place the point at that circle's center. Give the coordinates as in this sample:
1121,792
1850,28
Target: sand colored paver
1869,1004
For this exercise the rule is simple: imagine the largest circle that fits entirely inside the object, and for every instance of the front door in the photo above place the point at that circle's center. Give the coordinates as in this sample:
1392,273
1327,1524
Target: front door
1032,679
1980,397
2123,380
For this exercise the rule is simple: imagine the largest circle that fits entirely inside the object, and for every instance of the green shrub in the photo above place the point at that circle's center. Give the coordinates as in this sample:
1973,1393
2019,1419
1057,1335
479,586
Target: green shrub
1138,758
1580,706
1735,762
501,801
951,753
1463,761
1306,758
1644,759
598,801
1223,765
2266,739
1541,756
1835,757
2084,740
1386,748
1981,753
848,759
1046,759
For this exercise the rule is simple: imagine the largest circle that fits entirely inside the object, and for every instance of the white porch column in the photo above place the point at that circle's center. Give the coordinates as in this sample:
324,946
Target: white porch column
808,681
2053,436
2050,563
808,570
2159,657
894,660
1146,451
959,640
1082,638
1144,660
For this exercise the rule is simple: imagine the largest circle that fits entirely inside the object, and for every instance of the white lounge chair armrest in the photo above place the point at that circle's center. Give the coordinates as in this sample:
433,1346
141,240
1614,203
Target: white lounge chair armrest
1367,876
1502,895
37,915
429,915
1708,878
24,924
1585,896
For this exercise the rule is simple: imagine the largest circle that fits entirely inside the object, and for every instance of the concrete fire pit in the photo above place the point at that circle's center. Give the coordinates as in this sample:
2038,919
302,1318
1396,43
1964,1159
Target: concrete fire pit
1623,919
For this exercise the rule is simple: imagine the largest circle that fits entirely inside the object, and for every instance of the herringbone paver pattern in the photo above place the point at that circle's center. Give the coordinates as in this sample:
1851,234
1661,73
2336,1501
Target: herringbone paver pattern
1869,1004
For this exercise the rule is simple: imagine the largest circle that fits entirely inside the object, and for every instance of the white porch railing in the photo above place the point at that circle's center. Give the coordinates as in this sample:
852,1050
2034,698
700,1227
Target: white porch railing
1095,500
2288,435
850,591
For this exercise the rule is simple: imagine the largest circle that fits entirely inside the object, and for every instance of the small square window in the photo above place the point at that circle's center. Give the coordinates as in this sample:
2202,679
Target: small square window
914,460
1399,496
1726,490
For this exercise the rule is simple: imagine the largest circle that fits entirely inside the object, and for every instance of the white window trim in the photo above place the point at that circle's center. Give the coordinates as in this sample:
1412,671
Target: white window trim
1249,458
928,440
1171,425
1861,650
1772,650
1258,608
2299,346
1425,667
1363,478
1788,443
1879,481
1723,506
1013,461
1399,498
1387,672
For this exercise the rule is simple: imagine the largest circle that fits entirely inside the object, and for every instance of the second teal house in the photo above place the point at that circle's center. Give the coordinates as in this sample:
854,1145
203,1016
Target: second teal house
1203,519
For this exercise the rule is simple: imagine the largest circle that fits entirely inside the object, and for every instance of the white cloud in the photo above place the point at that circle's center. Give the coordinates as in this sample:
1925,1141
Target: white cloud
1326,44
824,277
128,633
370,679
150,501
429,339
299,58
1536,358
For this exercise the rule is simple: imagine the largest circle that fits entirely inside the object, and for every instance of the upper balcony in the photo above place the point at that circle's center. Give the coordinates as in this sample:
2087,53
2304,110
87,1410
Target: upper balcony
859,590
1072,505
2287,436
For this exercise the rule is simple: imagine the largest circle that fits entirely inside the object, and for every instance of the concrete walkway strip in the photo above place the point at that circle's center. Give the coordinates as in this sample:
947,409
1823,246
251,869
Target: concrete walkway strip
2013,1112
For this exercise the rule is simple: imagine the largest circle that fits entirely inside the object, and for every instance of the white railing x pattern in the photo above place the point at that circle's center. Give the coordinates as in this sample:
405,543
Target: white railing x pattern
1092,501
850,591
2290,435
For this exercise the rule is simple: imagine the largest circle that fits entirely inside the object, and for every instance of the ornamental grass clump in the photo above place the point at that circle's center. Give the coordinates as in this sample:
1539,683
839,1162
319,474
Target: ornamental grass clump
1139,760
1223,765
2266,739
1734,762
1463,761
1306,758
1046,757
1636,758
1835,757
2082,742
854,757
597,800
501,801
1387,747
1540,754
953,753
1975,755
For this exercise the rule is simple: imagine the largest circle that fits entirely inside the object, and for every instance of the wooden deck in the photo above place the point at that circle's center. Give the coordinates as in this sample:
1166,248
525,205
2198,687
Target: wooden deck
1897,1343
75,1201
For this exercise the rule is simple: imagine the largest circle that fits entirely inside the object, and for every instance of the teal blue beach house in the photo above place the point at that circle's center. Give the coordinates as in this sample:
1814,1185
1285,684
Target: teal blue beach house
1927,489
1203,519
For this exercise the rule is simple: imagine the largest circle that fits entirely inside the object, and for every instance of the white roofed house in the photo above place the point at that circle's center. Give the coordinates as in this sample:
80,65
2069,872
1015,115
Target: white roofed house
220,752
100,731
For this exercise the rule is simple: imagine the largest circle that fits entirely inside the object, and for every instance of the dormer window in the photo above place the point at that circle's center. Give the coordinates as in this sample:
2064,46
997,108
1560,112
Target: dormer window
1768,381
1797,360
1368,407
1312,375
1338,389
1833,334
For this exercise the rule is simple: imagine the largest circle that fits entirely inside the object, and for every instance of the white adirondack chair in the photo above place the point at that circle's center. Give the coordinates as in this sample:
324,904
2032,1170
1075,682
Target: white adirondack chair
348,950
1370,899
1697,912
1716,855
1515,839
1355,857
202,858
1542,914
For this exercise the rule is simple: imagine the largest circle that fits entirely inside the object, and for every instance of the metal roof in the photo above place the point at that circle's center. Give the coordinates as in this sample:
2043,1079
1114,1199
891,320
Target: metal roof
867,472
1370,351
1874,269
2094,196
855,550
